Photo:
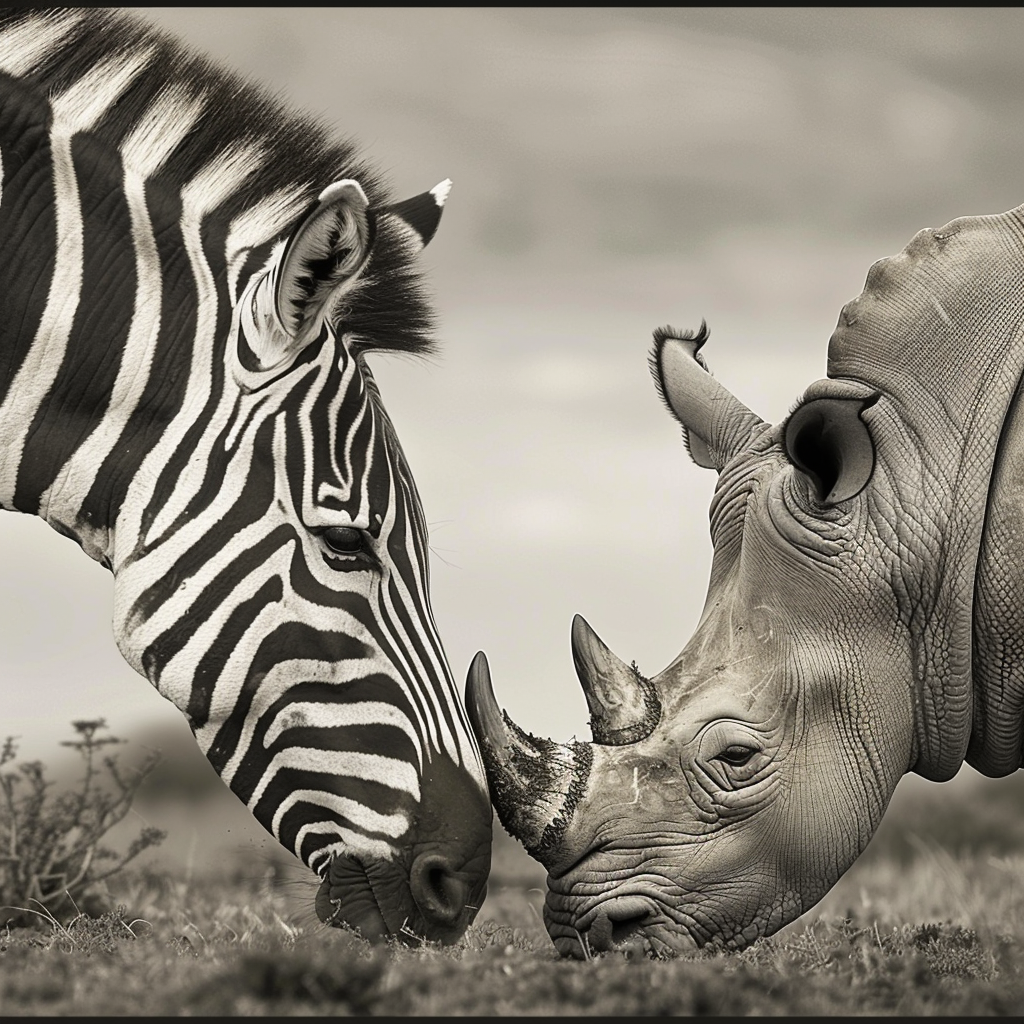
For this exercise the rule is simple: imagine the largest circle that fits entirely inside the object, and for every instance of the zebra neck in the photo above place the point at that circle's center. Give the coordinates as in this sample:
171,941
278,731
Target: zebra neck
113,276
85,394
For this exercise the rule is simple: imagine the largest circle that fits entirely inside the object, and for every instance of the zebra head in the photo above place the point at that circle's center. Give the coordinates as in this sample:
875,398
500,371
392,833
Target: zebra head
215,437
274,585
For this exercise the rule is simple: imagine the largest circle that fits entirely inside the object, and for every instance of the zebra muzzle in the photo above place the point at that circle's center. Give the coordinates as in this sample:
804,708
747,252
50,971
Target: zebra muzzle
345,899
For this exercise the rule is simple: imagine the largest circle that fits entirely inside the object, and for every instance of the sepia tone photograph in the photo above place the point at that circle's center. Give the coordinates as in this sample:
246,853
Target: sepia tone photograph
511,511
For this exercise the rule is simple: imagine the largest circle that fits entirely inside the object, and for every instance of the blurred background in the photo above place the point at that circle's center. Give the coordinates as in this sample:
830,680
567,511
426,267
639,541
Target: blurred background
614,169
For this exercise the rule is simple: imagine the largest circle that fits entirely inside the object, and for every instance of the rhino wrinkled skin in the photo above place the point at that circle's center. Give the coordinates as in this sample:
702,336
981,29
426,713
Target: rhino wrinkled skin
864,619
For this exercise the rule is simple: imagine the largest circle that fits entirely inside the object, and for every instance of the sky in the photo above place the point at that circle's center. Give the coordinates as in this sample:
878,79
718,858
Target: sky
613,169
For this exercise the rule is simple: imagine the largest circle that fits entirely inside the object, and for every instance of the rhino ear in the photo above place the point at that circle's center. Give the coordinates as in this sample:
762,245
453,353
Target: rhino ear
827,440
715,423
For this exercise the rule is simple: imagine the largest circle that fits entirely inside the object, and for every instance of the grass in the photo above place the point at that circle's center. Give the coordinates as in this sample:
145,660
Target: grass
917,927
240,942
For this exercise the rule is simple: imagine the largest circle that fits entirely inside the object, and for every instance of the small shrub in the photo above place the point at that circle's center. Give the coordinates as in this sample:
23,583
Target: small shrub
51,845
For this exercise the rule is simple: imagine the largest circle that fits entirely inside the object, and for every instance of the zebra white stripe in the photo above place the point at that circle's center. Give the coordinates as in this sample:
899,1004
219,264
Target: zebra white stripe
328,716
27,45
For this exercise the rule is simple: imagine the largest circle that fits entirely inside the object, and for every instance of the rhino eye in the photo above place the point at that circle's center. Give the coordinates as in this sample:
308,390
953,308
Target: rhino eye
736,755
344,540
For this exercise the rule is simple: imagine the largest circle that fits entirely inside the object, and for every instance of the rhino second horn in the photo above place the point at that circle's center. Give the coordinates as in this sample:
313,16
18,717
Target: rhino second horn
624,706
535,783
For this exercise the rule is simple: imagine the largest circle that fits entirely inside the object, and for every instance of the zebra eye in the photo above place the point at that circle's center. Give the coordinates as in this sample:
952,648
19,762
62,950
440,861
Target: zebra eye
345,540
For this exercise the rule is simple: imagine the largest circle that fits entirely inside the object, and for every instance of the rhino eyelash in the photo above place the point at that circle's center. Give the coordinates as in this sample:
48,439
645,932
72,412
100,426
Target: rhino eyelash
797,403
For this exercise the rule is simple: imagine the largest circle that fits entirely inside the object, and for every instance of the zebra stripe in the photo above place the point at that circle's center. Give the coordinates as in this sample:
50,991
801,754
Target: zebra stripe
74,111
28,45
144,152
189,302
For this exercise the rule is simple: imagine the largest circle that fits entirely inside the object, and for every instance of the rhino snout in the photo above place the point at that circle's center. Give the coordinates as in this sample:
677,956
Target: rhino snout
617,921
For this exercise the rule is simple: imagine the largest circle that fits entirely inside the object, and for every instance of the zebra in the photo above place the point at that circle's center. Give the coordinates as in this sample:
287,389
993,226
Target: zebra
193,276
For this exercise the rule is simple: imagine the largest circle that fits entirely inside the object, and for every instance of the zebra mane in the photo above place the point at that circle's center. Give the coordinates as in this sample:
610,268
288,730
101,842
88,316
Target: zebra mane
271,161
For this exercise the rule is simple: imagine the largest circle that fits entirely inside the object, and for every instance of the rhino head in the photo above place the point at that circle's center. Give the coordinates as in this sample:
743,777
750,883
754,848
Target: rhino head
862,547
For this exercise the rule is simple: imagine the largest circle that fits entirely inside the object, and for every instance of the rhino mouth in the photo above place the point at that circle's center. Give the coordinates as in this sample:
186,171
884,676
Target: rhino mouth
636,924
619,924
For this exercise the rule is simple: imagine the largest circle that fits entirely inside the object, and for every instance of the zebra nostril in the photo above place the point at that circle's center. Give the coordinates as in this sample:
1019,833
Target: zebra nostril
439,891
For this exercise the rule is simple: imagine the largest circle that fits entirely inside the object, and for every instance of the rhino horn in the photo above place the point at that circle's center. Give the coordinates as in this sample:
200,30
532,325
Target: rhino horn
716,424
624,706
535,783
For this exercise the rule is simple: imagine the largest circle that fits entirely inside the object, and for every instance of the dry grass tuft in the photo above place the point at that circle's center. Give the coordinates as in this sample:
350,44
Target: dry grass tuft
52,849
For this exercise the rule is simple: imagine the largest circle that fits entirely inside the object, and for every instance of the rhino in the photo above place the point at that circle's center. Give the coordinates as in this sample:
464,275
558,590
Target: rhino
864,619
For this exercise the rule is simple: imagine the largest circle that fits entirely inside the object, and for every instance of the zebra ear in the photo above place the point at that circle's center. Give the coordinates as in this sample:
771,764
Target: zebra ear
419,216
320,261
